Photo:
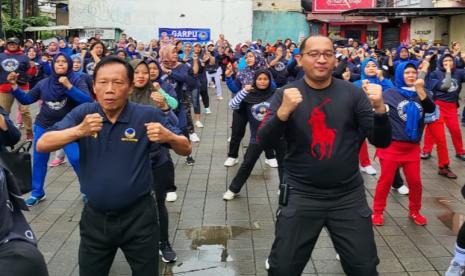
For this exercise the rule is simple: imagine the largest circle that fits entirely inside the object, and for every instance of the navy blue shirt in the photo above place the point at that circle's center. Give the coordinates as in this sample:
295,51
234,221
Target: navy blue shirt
451,95
115,164
55,105
398,116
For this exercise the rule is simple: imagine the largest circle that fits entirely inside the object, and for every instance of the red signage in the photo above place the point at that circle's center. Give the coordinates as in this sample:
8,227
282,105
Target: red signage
338,6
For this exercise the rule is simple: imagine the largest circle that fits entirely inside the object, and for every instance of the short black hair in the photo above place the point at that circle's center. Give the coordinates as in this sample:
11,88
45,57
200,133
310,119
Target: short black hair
112,60
302,45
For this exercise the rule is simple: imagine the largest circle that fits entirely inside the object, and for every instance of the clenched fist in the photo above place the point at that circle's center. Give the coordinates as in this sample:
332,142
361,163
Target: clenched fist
420,89
65,82
90,126
419,84
248,88
229,70
156,132
448,67
346,75
380,75
374,93
156,86
159,100
291,99
12,78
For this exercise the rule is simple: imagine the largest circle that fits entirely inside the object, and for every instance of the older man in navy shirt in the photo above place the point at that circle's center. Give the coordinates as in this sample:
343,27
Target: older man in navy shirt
115,137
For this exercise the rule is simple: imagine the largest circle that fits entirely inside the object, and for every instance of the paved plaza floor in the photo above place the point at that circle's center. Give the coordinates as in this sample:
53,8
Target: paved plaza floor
214,237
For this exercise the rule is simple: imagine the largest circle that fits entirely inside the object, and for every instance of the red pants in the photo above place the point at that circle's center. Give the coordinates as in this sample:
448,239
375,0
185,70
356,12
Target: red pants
449,115
363,155
391,159
436,134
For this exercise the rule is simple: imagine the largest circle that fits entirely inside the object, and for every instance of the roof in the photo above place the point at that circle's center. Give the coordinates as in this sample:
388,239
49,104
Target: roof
48,28
62,28
410,12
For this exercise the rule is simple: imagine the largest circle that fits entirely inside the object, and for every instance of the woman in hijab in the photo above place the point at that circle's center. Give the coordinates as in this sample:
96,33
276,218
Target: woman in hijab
446,83
370,73
78,70
409,102
36,62
254,99
254,61
181,76
148,93
60,93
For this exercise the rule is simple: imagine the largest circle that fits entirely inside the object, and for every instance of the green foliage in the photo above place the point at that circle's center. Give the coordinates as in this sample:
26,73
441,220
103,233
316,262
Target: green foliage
15,26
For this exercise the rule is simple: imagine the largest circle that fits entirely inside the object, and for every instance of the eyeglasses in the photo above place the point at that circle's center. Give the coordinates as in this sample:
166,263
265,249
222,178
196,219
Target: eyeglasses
316,55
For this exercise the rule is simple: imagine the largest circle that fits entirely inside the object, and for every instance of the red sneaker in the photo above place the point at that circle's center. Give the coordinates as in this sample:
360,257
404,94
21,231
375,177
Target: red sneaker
377,219
418,219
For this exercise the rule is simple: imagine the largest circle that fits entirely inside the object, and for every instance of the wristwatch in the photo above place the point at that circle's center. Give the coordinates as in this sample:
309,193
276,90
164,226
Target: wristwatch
386,107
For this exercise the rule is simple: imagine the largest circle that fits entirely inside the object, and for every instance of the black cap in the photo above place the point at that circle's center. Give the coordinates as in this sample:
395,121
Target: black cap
14,40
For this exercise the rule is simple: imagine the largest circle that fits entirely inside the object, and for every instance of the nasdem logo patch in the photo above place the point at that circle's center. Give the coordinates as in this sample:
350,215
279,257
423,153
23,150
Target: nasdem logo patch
129,135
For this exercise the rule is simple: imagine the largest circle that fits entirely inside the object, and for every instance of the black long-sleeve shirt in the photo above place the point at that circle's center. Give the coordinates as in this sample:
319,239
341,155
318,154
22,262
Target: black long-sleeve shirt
323,137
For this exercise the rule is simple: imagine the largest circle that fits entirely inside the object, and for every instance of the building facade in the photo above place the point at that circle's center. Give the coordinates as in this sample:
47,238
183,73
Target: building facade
142,19
278,19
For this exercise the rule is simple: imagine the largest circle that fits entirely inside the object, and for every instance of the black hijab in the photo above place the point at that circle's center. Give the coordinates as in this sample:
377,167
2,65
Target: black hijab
260,95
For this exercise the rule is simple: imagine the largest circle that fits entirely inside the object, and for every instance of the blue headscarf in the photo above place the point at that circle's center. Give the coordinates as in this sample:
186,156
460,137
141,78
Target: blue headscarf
160,72
66,50
411,109
397,57
78,56
385,83
53,85
371,79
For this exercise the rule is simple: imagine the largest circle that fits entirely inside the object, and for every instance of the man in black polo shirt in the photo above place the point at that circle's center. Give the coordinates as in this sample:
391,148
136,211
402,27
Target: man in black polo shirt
323,121
115,138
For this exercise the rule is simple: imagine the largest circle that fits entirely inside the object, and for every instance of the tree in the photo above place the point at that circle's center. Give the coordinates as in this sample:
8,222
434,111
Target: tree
13,26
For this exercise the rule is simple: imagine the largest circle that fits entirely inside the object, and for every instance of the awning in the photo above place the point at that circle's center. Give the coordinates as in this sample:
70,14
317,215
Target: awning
51,28
65,27
337,19
405,12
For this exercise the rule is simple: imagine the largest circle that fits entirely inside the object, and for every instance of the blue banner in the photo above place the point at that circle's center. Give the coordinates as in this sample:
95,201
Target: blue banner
186,34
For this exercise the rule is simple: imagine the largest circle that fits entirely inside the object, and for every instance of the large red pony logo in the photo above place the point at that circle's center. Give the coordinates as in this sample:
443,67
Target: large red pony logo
322,136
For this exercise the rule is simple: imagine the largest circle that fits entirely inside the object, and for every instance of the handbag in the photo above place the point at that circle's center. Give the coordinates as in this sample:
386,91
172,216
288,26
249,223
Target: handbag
18,162
432,117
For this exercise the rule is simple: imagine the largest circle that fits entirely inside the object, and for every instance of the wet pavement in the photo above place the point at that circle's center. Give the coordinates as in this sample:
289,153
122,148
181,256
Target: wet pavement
212,237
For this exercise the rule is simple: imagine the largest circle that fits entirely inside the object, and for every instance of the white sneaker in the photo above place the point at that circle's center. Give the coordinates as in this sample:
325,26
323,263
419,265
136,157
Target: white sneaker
228,195
368,170
403,190
338,257
267,264
207,111
171,196
198,124
454,269
229,139
230,162
272,162
194,138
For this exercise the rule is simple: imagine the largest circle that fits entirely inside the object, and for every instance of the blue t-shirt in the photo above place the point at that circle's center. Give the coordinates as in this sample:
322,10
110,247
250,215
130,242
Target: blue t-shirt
451,95
115,164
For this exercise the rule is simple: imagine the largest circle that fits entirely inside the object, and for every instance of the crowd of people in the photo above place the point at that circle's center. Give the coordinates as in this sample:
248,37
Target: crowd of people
311,106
